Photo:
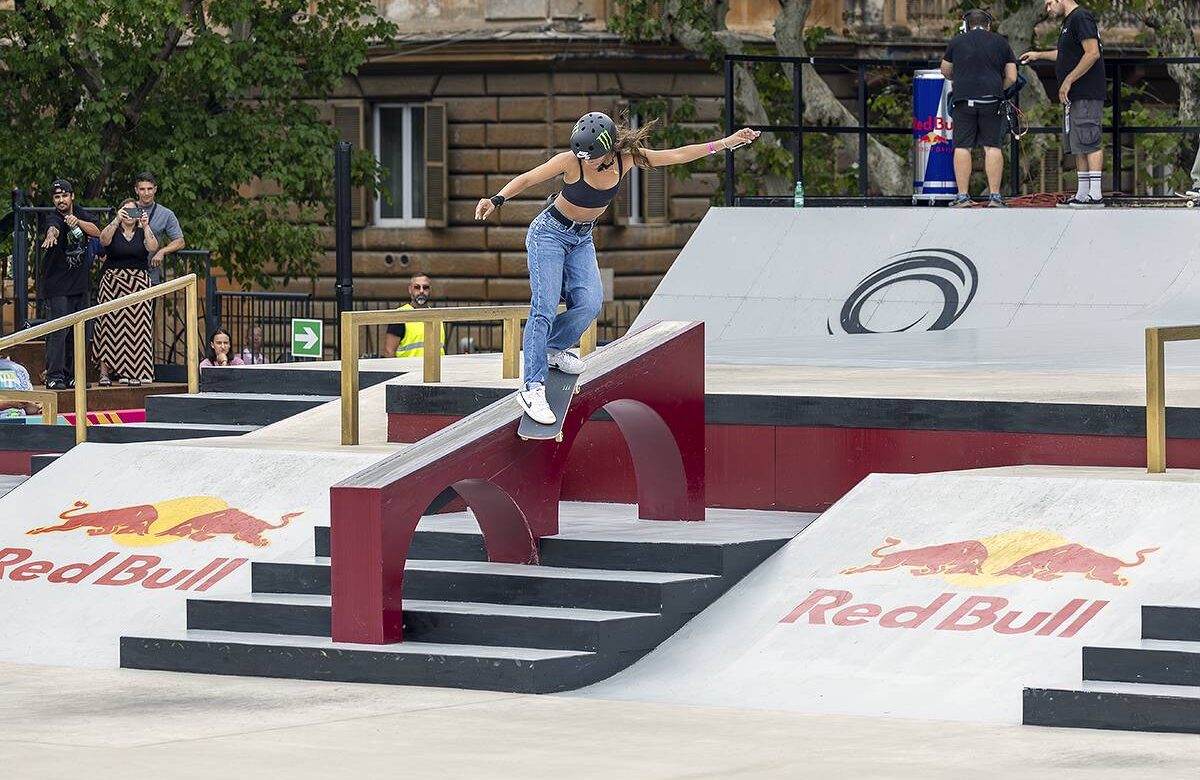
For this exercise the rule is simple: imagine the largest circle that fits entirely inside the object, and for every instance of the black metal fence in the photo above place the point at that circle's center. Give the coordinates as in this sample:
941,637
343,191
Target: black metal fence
260,323
1117,68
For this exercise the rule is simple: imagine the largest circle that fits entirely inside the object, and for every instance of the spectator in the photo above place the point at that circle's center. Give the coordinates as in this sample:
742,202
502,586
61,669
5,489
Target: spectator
218,351
123,339
13,376
408,339
65,278
1082,89
163,223
252,353
981,65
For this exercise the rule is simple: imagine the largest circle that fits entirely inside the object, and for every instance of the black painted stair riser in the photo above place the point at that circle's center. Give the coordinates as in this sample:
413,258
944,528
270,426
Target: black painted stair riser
1102,710
635,633
1177,623
687,595
248,410
363,666
1139,665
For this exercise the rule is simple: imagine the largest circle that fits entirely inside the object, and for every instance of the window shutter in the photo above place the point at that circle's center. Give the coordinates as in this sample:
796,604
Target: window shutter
654,190
348,121
621,206
437,190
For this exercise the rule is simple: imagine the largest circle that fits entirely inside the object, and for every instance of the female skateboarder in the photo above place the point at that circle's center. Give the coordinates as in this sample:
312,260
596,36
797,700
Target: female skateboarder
562,257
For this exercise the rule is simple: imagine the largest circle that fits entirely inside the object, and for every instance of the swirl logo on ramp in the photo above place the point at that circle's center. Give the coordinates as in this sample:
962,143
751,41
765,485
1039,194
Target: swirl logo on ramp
951,273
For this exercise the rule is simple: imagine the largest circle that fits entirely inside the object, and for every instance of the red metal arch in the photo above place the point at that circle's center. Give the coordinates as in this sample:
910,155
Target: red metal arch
651,383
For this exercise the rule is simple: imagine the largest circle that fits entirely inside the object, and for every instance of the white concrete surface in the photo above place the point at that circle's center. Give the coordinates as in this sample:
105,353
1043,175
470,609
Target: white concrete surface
781,640
57,723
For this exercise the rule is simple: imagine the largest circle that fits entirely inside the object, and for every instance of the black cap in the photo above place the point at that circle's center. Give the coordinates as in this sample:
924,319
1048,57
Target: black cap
61,185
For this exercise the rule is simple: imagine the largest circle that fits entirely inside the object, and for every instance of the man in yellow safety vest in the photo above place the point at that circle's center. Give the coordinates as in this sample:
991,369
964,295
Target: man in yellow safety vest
408,339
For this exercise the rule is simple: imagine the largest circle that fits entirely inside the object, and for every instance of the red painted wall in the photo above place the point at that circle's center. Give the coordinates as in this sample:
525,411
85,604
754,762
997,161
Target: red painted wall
808,468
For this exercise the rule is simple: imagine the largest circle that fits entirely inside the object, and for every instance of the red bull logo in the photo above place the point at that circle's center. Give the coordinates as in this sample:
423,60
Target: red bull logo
1039,555
113,570
198,518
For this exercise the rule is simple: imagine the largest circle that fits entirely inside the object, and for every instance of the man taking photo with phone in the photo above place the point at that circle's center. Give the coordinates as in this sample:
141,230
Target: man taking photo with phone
1082,89
163,222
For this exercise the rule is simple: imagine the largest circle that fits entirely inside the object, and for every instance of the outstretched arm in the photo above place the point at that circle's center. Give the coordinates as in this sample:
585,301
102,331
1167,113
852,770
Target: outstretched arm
685,154
555,166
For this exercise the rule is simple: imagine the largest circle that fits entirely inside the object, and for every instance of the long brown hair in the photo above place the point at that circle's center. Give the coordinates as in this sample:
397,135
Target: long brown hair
634,140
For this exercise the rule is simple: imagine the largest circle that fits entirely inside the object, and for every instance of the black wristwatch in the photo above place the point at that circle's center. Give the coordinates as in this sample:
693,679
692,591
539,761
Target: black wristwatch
497,200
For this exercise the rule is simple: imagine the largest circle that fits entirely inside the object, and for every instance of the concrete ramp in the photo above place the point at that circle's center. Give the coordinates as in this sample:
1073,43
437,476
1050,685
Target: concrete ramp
937,286
936,596
112,539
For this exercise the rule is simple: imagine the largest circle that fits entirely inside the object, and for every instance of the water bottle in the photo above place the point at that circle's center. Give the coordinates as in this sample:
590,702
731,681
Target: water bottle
798,195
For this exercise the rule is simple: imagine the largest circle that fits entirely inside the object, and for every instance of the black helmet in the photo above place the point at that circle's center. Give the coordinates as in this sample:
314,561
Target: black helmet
594,136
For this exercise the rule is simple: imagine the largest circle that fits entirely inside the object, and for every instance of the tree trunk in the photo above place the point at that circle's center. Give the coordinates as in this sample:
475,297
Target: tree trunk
888,172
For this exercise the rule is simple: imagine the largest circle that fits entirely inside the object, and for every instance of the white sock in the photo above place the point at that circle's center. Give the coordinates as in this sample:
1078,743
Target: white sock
1094,191
1084,184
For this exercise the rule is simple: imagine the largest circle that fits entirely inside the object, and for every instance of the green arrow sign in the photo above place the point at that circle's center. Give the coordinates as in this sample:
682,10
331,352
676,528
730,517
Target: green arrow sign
307,338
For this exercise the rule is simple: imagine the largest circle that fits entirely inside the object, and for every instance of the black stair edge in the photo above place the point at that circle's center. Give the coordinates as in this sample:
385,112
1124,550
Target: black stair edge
680,597
732,560
361,666
426,545
195,409
1177,623
131,434
614,635
1141,665
284,381
39,462
1108,710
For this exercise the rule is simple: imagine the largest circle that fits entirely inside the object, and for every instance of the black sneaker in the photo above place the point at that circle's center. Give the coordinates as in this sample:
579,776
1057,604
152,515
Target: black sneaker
996,202
71,384
56,384
961,202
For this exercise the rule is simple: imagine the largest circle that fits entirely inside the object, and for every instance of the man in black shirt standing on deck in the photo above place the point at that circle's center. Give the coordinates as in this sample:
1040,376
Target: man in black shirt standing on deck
66,278
1082,89
981,65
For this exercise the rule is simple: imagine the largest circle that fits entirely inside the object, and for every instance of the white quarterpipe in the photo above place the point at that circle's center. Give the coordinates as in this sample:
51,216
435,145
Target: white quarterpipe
935,596
1021,288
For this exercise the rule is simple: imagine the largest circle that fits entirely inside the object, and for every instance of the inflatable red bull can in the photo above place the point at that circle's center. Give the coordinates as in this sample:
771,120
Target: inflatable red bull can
933,138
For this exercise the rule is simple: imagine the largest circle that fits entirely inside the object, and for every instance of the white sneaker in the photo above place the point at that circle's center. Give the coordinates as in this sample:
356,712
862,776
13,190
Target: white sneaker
533,401
565,362
1194,192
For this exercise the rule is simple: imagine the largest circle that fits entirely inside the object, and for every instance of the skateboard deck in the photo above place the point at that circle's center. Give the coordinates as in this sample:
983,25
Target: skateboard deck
560,388
1191,201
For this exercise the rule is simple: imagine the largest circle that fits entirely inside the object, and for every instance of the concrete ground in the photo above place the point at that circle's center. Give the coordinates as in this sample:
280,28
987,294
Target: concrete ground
106,723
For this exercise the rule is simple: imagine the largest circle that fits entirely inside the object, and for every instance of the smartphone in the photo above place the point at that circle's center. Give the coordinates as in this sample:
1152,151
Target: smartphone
133,212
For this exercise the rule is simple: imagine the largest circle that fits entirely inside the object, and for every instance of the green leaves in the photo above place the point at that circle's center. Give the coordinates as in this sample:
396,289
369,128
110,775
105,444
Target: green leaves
214,98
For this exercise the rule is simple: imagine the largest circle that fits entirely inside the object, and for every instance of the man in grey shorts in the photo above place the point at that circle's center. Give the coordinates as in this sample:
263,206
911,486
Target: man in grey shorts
1082,89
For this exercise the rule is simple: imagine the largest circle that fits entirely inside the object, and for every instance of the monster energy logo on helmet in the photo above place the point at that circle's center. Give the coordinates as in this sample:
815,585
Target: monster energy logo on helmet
593,136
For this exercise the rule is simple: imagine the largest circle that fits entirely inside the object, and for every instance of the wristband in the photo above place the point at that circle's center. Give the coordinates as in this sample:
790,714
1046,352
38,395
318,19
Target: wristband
712,147
497,200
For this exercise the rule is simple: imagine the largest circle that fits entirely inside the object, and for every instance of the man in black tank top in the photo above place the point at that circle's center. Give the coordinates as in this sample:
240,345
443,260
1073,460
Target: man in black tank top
561,255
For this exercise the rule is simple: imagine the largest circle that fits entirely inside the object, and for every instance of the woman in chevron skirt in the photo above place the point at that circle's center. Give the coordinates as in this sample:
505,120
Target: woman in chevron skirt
123,339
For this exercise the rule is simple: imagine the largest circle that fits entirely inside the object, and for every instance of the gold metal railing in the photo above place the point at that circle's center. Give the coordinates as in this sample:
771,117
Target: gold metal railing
78,322
353,321
1156,391
47,398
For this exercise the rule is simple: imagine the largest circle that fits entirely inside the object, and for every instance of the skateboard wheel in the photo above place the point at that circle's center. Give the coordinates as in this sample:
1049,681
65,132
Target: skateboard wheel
576,390
524,438
1191,204
558,438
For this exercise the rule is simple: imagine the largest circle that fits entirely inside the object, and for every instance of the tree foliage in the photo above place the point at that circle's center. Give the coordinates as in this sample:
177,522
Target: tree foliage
213,97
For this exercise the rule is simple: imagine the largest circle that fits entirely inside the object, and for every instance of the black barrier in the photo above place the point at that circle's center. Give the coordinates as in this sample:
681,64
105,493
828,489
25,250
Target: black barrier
1116,68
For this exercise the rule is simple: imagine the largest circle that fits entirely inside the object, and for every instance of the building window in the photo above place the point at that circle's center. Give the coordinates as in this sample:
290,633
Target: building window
400,148
642,200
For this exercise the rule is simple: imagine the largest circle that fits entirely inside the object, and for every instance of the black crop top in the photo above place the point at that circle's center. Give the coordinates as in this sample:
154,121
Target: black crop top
585,196
130,253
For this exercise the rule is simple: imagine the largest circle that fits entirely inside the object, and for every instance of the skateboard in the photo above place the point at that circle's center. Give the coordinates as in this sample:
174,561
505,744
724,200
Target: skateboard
560,388
1191,201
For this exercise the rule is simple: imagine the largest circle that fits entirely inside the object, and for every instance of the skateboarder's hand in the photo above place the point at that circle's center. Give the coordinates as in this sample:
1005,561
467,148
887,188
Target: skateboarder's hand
484,209
743,136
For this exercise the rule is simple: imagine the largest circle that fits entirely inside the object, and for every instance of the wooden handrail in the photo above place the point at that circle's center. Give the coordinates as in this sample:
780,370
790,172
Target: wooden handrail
47,398
77,321
510,316
1156,391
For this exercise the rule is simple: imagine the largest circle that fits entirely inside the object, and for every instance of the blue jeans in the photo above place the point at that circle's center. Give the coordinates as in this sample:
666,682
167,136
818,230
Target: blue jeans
562,265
